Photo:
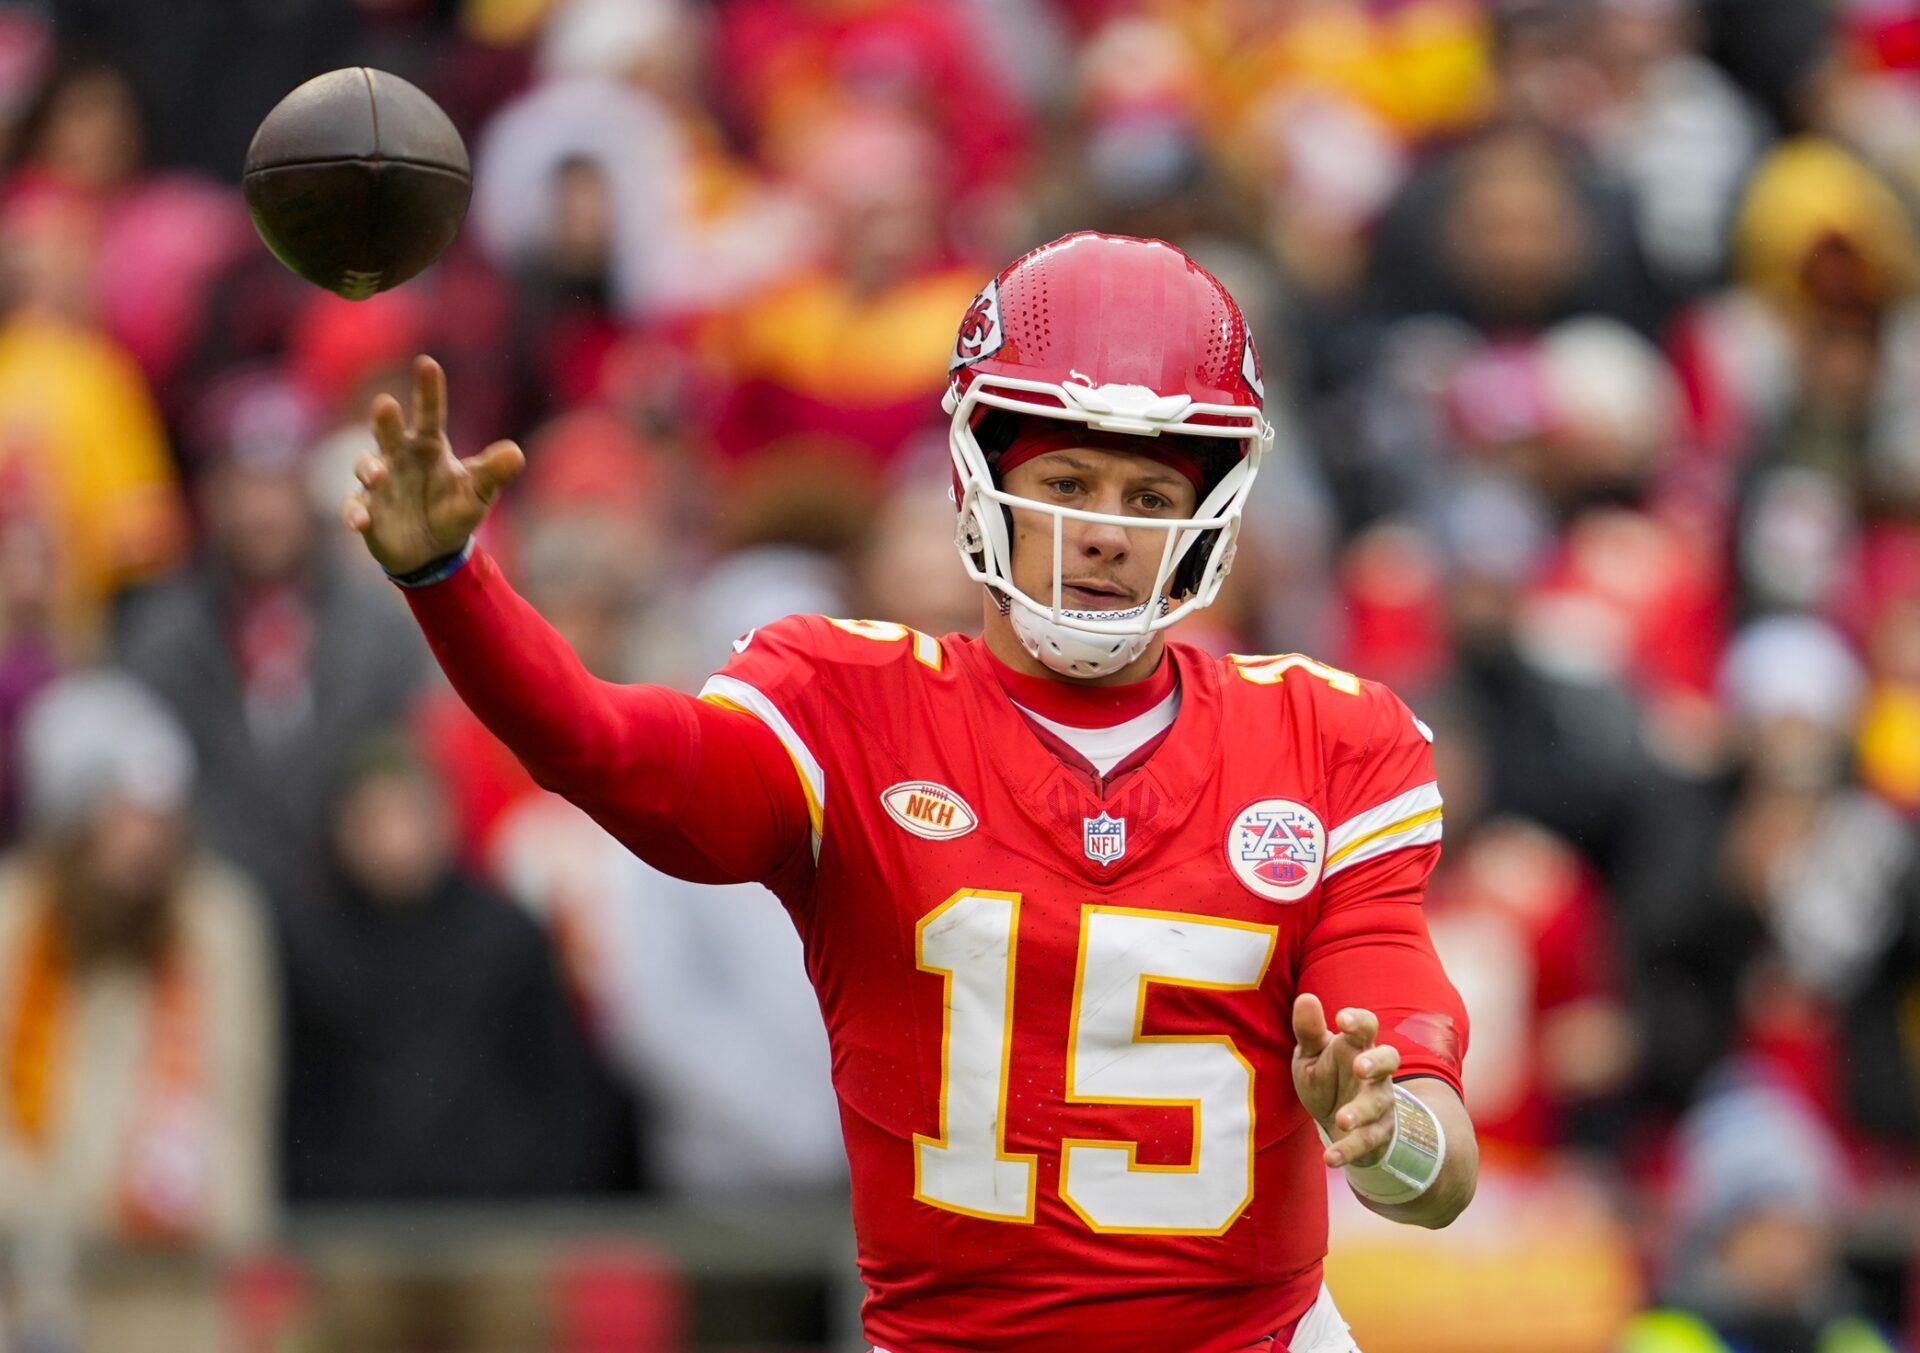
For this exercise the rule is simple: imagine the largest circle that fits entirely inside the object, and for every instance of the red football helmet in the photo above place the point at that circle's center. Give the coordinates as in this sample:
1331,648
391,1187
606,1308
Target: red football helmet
1125,336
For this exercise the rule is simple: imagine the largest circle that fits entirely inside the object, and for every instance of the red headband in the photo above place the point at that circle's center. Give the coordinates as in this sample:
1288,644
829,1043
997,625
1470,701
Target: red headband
1037,436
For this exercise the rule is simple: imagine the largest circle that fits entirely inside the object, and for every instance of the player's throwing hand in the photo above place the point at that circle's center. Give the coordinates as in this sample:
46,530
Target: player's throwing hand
1345,1080
417,501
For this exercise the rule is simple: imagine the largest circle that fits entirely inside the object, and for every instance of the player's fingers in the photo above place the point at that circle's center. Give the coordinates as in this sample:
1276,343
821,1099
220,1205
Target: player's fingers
1369,1105
356,514
1359,1026
369,470
1310,1032
496,467
1364,1145
429,398
1377,1063
389,426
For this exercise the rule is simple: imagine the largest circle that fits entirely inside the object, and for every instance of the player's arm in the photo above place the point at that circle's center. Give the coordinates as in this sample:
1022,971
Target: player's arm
1346,1079
696,789
1384,1082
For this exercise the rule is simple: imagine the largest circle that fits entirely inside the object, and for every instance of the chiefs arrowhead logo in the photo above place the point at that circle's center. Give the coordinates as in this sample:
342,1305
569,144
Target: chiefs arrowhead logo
1251,373
980,332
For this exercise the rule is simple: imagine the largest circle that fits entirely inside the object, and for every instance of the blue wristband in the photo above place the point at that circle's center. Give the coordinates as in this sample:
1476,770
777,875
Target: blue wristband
438,571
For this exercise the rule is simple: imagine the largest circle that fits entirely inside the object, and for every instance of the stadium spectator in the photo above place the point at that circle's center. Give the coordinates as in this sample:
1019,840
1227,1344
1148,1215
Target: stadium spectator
249,646
157,235
30,643
700,998
1624,79
904,569
82,433
1757,1264
432,1051
1778,887
1509,233
1781,371
1523,923
685,227
850,350
260,53
137,989
783,65
26,51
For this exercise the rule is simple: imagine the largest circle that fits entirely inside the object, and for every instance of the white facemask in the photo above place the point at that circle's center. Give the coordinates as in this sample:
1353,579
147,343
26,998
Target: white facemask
1081,643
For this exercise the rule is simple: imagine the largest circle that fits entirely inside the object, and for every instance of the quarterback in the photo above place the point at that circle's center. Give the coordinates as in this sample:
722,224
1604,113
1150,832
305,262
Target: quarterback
1119,946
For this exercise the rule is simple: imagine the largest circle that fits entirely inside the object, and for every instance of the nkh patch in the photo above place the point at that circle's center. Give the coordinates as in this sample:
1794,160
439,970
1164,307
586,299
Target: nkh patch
928,809
1106,839
1277,848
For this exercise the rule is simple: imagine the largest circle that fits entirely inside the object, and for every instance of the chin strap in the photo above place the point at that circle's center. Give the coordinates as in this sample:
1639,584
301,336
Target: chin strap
1075,653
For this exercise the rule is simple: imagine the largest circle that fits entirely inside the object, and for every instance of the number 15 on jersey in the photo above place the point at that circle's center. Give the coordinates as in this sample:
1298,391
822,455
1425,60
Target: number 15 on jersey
970,941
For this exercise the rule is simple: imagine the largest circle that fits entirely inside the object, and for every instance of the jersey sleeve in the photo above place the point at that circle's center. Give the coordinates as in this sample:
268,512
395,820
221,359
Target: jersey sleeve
1369,945
773,678
698,789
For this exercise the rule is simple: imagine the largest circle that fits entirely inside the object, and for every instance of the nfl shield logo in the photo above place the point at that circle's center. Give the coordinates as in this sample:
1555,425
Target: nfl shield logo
1106,838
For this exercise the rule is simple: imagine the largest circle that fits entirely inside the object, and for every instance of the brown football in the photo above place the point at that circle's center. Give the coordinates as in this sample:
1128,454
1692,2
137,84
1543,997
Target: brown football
357,181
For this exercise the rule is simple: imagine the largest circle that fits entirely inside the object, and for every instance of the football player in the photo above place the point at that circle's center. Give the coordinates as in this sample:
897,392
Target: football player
1077,900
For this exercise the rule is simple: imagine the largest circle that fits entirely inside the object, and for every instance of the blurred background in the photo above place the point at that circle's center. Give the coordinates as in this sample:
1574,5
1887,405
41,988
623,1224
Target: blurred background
1592,329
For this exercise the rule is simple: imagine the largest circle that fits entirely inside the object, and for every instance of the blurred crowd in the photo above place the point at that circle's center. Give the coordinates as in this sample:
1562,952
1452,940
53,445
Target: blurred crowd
1593,336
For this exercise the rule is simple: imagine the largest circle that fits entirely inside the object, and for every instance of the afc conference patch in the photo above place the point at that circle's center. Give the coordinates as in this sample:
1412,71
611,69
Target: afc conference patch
1106,838
1277,848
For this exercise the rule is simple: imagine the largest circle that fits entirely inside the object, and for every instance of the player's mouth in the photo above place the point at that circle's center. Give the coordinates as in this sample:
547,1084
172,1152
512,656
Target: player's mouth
1093,595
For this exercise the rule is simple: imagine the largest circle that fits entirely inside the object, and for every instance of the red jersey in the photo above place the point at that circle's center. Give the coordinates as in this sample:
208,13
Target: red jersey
1058,1005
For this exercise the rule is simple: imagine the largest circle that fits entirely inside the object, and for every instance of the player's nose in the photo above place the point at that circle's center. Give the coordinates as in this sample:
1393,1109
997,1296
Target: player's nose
1103,540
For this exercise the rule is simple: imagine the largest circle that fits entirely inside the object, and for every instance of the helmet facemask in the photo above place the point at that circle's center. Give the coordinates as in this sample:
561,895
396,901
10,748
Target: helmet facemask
1197,550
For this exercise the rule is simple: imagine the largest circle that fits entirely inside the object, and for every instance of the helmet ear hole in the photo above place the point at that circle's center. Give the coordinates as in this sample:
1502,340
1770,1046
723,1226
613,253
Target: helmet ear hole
995,430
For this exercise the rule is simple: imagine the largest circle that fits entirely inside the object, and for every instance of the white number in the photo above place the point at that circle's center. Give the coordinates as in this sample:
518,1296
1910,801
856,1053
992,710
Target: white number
1268,669
970,940
926,648
1110,1061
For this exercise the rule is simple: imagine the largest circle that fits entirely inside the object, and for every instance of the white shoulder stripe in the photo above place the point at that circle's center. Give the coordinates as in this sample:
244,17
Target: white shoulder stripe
1409,819
737,692
1420,834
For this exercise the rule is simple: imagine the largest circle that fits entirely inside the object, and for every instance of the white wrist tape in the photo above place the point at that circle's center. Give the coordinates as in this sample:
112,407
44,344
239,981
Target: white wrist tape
1414,1157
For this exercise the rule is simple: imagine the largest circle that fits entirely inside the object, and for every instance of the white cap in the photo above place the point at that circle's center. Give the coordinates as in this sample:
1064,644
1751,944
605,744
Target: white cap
1792,667
98,735
605,38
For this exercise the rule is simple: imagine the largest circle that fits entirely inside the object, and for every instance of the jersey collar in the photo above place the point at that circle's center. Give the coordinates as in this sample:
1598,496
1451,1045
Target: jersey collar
1156,791
1079,705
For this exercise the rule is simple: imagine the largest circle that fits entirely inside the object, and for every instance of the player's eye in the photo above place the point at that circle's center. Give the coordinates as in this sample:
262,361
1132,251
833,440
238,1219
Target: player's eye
1153,502
1066,488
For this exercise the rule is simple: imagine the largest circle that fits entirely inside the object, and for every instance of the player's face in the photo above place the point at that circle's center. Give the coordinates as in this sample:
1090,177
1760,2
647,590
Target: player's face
1103,567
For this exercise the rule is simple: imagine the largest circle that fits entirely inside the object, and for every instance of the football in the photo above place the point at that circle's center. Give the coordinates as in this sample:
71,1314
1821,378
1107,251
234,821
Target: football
357,181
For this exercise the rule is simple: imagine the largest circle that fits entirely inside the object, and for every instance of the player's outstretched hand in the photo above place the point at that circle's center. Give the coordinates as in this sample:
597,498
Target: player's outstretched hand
1345,1080
417,501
